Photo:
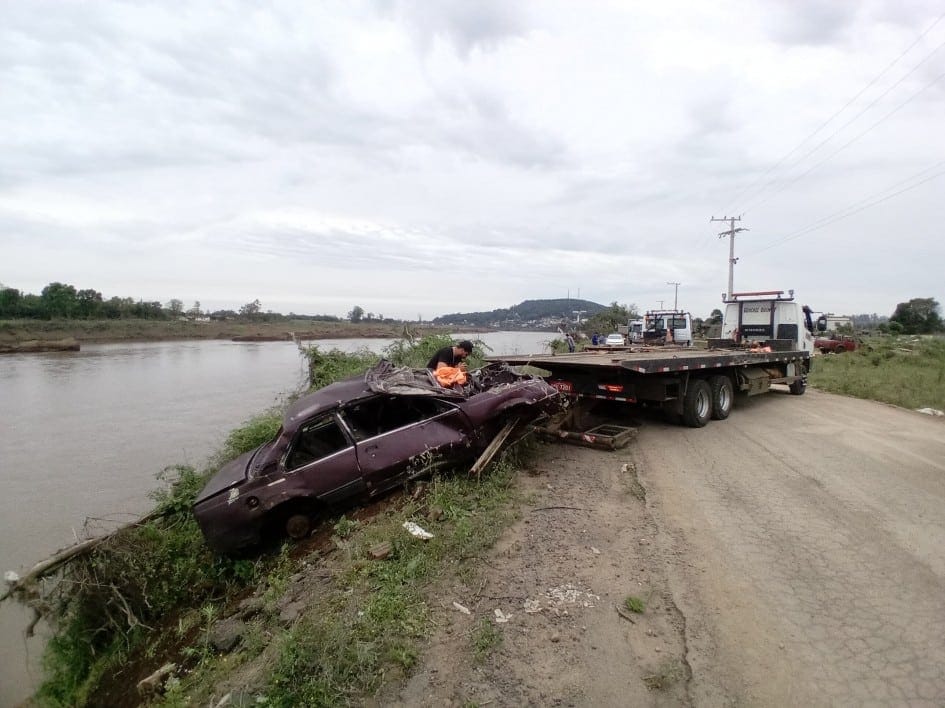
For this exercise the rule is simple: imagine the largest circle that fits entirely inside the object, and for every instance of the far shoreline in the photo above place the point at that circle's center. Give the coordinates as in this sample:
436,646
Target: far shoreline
18,332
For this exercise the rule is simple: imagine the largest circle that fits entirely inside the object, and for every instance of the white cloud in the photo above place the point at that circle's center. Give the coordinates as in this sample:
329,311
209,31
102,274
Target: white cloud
461,156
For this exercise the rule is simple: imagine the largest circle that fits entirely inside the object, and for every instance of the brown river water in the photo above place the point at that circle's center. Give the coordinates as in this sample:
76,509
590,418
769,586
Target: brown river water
84,434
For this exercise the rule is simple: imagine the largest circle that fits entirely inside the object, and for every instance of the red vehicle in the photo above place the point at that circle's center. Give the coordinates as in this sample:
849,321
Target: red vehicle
835,344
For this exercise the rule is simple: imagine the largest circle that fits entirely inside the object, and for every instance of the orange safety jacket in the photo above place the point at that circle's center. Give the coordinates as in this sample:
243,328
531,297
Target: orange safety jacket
448,376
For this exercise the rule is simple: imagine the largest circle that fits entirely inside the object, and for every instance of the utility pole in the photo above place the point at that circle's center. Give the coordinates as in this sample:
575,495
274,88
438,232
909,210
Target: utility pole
732,260
577,315
661,304
676,296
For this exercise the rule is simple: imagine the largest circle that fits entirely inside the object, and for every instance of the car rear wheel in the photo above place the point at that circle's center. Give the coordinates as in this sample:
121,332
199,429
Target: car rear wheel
723,396
697,404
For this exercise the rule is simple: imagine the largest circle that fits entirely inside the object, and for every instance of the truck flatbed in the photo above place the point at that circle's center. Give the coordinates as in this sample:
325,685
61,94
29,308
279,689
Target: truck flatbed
654,360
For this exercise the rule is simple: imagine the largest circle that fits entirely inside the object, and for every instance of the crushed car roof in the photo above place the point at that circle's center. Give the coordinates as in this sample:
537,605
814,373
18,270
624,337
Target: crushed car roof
382,378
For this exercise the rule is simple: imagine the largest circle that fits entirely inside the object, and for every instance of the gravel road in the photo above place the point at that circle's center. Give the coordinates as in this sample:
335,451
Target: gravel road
806,540
791,555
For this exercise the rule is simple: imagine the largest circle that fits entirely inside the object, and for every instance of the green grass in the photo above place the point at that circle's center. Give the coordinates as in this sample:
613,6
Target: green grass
371,626
485,639
635,604
905,371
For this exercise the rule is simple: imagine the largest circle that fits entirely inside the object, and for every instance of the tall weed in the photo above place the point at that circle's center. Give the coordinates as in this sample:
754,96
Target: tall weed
904,371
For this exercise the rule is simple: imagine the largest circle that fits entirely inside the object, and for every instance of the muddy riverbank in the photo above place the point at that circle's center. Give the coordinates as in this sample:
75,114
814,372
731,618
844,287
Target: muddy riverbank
15,333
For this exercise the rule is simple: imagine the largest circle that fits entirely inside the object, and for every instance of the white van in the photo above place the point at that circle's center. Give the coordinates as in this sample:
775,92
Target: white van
669,326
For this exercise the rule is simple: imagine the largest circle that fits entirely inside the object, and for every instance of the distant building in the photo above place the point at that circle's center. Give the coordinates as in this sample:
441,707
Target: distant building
834,322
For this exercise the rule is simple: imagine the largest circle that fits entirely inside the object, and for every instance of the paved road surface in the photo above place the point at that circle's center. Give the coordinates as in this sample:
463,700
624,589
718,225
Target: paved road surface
807,545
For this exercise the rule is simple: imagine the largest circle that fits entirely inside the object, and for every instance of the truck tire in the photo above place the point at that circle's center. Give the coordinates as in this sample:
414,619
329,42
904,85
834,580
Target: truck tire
798,387
723,396
697,404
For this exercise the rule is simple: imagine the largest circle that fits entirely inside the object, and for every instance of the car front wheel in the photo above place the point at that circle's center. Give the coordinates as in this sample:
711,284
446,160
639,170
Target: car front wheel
298,526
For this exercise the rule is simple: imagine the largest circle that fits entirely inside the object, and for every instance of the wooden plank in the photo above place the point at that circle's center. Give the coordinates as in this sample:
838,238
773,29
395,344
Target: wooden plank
486,457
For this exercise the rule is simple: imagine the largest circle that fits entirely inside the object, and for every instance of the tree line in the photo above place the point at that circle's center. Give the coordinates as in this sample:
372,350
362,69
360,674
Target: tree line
63,301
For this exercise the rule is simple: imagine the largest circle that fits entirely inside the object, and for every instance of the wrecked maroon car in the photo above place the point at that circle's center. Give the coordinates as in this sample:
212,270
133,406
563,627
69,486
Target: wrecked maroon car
356,439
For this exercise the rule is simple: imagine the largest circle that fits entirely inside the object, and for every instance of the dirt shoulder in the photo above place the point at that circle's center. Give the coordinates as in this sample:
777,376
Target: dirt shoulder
544,626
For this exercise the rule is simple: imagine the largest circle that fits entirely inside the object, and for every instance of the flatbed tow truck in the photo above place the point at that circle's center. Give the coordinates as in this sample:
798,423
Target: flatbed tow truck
766,339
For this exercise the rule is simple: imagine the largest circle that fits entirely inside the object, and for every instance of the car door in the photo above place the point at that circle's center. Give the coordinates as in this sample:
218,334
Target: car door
322,461
403,436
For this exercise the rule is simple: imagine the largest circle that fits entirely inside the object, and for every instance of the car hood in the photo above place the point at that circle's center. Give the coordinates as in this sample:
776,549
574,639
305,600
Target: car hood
233,472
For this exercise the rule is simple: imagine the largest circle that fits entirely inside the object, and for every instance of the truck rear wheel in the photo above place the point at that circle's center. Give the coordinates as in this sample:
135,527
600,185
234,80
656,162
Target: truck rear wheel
798,387
723,396
697,404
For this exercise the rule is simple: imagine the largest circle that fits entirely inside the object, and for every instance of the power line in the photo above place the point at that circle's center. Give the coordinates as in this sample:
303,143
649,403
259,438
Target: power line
843,108
856,207
851,141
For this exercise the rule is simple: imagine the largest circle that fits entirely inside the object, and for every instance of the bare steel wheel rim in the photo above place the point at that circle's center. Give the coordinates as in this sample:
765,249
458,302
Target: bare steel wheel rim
704,404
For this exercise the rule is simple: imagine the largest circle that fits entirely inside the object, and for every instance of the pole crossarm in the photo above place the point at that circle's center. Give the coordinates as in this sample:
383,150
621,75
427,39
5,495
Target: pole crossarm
732,260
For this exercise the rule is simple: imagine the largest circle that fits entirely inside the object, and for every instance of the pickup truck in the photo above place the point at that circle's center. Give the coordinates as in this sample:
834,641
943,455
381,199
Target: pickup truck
836,344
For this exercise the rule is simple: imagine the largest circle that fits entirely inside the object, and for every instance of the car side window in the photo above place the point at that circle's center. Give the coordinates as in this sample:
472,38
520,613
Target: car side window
317,438
380,415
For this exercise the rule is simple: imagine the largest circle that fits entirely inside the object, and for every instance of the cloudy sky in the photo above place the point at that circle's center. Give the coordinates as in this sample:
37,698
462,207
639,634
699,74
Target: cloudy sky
417,157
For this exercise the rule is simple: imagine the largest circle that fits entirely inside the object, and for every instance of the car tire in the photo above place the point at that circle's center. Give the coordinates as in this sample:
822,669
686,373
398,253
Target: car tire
723,396
798,387
298,526
697,404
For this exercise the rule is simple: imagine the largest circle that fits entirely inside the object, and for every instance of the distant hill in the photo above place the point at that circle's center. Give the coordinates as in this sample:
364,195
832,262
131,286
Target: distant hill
528,313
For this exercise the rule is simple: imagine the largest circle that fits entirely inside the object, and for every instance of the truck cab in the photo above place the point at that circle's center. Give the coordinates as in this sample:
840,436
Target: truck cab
635,331
767,318
667,326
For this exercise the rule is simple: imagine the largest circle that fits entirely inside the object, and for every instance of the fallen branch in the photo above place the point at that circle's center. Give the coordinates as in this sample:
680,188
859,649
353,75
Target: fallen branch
573,508
59,558
623,613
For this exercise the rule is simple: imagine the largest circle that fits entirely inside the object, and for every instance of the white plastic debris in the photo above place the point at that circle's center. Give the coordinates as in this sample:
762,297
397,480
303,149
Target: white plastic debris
501,617
532,606
595,551
929,411
461,608
569,595
11,576
416,531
